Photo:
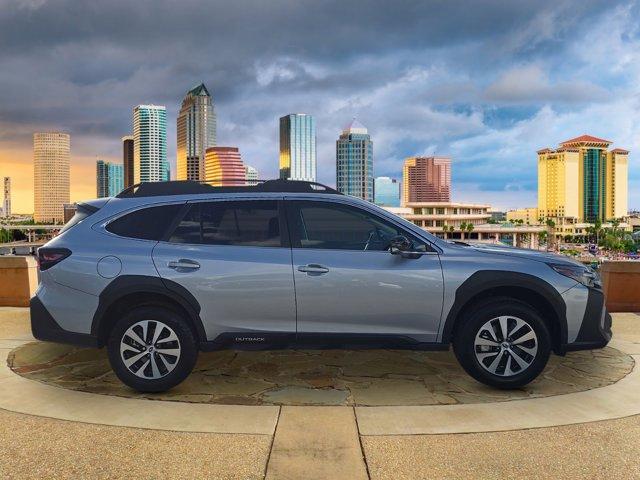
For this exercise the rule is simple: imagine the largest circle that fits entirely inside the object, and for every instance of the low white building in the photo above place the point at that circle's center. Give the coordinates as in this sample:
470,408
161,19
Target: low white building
445,219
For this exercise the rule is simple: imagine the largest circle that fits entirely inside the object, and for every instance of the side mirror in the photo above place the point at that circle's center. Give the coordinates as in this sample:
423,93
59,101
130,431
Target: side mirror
400,244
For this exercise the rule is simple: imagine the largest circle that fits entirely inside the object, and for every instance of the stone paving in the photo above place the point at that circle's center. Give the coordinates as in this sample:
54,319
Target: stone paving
311,377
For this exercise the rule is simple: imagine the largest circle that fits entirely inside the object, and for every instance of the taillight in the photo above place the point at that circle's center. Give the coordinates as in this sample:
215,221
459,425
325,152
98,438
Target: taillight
48,257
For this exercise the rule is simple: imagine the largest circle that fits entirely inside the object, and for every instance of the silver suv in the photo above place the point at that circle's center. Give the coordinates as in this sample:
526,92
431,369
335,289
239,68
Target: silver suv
166,269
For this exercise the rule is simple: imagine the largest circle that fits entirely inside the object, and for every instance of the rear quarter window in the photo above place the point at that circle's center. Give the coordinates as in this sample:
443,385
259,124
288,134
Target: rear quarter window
82,211
150,223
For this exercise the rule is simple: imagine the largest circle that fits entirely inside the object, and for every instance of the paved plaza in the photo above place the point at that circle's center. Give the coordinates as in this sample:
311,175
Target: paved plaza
317,414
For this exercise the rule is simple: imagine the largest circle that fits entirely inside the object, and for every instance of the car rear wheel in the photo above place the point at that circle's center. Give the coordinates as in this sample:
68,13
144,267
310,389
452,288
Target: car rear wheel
503,343
152,349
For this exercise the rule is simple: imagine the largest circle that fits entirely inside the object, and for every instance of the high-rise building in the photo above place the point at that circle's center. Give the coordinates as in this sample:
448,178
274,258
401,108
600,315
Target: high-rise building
109,179
196,131
252,175
583,181
223,167
127,160
354,162
116,179
7,197
426,179
51,158
102,179
387,192
150,144
298,147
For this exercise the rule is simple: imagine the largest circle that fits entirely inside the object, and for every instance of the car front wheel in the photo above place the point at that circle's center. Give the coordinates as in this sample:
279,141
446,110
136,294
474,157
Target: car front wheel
151,349
503,343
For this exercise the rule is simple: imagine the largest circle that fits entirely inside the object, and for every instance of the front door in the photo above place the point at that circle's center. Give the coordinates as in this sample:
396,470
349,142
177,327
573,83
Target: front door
349,284
230,255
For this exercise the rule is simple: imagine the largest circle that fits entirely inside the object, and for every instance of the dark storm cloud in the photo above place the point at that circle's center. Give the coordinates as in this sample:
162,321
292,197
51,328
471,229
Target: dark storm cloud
312,28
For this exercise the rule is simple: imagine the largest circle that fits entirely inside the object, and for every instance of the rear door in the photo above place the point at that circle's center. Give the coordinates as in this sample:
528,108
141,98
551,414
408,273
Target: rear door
233,256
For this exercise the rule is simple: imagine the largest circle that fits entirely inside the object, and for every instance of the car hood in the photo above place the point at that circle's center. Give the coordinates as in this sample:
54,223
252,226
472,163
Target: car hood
537,255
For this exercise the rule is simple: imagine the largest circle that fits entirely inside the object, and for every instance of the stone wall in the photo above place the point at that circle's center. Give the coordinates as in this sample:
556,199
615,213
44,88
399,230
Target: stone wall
621,283
18,280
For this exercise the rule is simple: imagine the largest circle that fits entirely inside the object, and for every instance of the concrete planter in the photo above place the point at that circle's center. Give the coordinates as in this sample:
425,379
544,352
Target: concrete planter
18,280
621,283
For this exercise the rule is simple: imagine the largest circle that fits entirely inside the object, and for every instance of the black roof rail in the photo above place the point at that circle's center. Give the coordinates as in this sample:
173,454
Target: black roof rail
190,187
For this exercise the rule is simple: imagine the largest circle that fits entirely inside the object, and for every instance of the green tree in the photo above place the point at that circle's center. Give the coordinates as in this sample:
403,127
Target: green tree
463,228
542,236
5,235
551,225
470,228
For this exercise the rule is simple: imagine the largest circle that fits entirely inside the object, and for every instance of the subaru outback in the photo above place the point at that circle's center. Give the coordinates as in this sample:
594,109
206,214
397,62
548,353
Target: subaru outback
165,270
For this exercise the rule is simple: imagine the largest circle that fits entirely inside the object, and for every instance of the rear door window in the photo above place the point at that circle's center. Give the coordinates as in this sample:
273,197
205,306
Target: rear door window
249,223
151,223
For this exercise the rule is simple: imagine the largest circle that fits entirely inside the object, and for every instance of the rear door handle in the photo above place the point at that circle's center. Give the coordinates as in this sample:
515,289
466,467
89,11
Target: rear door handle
184,264
313,269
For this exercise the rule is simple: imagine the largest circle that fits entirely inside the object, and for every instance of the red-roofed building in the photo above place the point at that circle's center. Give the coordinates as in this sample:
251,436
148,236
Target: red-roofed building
586,139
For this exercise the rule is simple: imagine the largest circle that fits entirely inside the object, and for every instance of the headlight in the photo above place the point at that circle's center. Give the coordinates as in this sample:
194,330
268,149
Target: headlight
583,275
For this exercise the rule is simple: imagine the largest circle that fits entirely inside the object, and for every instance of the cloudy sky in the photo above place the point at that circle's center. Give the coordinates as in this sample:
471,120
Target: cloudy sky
485,82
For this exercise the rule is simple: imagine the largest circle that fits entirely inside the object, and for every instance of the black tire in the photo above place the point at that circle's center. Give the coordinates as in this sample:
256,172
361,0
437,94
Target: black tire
180,365
471,325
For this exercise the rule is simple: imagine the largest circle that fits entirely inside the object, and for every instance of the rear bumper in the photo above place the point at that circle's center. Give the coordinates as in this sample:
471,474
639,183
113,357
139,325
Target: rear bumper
44,327
595,330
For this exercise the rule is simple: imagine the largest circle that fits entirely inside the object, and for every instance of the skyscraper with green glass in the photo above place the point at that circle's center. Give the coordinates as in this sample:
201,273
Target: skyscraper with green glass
150,144
583,181
109,179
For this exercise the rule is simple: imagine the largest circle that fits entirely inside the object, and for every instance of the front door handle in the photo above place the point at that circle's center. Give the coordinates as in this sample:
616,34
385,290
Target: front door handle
183,264
313,269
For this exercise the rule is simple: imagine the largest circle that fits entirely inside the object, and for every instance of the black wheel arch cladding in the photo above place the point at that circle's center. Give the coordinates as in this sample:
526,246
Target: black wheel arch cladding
127,285
486,281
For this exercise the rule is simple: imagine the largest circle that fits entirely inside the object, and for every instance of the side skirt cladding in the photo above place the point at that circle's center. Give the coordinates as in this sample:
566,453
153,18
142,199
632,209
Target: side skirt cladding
138,286
484,283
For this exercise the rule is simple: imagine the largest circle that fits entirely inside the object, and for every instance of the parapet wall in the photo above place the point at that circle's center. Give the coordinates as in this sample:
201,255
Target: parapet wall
621,283
18,280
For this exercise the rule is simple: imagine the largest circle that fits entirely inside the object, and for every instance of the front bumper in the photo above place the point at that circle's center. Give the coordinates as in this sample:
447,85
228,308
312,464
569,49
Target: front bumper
595,330
44,327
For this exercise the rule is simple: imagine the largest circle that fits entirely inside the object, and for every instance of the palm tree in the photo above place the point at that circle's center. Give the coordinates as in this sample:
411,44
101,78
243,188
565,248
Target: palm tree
470,228
597,227
551,237
463,228
445,229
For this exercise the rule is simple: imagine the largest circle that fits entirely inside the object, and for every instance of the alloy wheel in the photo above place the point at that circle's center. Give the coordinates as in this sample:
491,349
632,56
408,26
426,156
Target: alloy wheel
506,346
150,349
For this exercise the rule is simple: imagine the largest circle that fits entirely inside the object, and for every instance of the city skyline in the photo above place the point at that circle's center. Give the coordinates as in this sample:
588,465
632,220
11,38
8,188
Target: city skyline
488,96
